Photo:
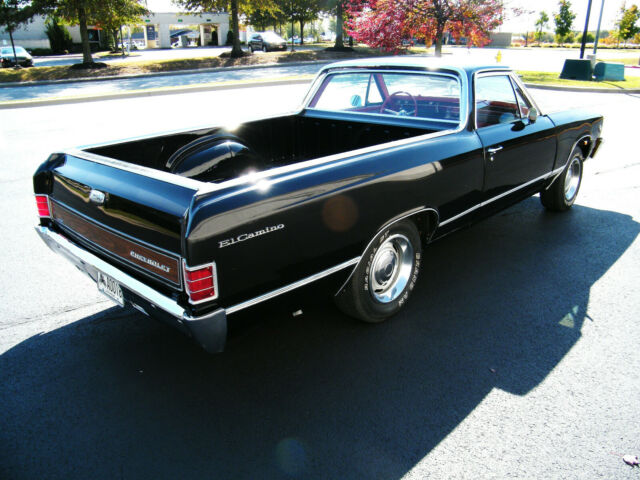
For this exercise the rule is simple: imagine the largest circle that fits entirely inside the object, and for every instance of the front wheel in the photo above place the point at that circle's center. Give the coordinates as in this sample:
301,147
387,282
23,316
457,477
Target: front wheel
562,193
385,276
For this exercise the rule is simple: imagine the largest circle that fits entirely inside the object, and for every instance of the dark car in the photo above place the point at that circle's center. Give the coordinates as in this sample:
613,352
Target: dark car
385,156
7,58
266,41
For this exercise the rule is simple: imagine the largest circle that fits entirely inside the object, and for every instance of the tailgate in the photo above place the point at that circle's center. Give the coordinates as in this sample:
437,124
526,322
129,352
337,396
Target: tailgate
133,217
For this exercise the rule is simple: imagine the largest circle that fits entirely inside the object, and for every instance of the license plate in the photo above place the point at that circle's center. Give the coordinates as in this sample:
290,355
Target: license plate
110,288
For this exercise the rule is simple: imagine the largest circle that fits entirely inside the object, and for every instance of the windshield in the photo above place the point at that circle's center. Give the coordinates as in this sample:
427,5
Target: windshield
431,96
9,51
272,37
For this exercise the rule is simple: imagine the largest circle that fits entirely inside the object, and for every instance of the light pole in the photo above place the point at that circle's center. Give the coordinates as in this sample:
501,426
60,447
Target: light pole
584,34
595,42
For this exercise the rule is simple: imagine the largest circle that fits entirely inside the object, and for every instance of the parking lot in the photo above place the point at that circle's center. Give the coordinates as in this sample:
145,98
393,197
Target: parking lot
516,357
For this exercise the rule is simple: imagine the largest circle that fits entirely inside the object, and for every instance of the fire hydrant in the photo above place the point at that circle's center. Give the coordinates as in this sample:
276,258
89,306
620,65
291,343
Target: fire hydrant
499,56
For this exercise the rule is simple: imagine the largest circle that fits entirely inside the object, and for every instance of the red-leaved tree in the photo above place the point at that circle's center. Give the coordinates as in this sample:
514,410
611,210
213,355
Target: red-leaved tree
385,23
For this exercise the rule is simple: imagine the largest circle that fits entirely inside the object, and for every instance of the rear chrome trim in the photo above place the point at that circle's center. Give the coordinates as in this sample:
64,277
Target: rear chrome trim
89,264
90,244
292,286
498,197
214,275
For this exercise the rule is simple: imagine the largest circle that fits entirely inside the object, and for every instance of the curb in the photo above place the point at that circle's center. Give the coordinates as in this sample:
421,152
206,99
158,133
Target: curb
160,74
563,88
231,85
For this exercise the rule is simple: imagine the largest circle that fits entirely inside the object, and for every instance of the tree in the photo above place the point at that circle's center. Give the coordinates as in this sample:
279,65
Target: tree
563,19
300,11
627,23
335,7
79,12
541,24
385,23
59,37
15,13
236,7
115,13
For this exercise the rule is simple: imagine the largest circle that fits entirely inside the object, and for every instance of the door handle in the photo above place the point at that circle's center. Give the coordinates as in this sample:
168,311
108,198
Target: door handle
492,151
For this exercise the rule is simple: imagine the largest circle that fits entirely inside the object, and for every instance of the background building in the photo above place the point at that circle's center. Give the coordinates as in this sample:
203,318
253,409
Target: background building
212,28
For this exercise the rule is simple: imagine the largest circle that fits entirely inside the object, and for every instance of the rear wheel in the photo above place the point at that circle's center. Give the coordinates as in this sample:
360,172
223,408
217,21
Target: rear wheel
562,193
385,276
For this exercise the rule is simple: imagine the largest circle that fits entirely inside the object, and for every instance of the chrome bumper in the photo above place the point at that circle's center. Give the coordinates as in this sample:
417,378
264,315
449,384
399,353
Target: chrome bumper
210,330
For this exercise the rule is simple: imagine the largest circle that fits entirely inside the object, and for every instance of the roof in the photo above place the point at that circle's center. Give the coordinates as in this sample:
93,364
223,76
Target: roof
417,61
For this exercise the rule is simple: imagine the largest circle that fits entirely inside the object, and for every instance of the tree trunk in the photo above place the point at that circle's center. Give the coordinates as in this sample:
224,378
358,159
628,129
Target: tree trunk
339,42
84,35
15,57
236,50
301,32
439,35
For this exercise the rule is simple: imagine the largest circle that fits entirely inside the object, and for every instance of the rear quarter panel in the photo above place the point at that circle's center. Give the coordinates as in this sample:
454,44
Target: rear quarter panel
571,126
328,212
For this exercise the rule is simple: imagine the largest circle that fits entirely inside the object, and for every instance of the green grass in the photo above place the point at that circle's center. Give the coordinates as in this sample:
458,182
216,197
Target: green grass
151,66
626,61
551,78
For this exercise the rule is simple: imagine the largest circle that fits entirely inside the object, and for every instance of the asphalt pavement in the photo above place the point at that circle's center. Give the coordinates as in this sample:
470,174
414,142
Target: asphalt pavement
516,357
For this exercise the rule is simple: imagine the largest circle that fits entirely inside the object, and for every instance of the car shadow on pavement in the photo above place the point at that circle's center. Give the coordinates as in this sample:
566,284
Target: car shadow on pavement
316,395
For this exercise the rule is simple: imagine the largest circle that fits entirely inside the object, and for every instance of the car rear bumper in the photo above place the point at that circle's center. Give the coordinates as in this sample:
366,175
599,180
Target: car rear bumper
209,330
596,146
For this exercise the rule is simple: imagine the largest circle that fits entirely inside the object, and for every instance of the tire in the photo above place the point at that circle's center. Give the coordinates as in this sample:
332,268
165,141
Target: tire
385,275
264,48
563,191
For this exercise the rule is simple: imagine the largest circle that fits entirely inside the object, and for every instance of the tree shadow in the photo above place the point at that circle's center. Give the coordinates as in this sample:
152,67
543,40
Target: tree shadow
317,395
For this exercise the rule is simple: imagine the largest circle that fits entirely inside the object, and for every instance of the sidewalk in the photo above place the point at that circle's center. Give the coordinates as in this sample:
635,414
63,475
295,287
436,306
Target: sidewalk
170,82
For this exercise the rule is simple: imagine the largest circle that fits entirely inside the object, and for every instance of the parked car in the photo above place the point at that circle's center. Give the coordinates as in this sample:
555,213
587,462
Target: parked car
7,59
384,157
266,41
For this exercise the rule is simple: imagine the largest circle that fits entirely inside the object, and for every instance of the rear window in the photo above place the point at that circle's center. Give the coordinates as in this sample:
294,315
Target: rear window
412,95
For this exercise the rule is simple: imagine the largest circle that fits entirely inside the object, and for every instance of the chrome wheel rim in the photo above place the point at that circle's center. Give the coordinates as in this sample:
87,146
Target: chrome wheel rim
572,179
391,268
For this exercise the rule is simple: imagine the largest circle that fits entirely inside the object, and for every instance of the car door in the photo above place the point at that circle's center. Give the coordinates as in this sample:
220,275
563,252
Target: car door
517,150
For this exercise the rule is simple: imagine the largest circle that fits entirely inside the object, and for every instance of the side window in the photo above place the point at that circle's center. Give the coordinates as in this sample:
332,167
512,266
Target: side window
495,101
524,104
373,92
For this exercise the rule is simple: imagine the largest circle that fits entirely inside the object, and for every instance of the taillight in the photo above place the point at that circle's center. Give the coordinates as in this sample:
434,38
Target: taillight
201,282
42,202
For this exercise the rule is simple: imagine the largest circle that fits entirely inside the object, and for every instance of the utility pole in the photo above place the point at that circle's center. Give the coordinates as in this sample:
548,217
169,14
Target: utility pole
595,43
584,34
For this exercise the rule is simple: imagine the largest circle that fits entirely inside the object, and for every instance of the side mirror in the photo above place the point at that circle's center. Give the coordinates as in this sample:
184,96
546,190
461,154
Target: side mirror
533,115
356,101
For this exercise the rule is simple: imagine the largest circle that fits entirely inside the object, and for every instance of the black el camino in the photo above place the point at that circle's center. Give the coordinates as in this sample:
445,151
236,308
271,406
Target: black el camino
383,157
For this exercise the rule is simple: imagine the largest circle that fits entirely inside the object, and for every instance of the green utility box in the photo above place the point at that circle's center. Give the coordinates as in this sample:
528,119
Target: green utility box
609,71
577,69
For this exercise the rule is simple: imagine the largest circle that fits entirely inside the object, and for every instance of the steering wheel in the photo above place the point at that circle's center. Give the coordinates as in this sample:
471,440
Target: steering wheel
402,111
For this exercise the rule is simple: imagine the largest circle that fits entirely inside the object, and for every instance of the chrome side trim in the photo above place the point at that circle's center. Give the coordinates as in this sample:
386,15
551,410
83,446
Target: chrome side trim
569,159
292,286
387,225
498,197
89,263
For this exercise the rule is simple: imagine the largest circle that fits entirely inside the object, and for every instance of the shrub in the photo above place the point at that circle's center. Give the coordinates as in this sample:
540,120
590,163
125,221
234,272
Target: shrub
59,37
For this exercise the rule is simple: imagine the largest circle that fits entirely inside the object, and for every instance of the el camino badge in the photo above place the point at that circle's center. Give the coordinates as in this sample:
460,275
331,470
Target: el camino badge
248,236
96,196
